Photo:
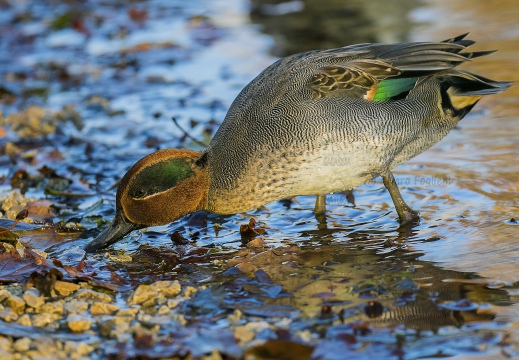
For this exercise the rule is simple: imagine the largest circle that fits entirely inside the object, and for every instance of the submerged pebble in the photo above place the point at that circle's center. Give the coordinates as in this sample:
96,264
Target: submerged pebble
65,288
79,323
33,298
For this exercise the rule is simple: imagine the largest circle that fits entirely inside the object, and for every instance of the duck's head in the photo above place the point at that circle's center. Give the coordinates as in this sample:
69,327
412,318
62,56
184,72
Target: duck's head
160,188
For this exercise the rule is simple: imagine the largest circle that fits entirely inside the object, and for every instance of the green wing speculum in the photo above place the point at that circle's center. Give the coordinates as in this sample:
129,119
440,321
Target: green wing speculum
393,88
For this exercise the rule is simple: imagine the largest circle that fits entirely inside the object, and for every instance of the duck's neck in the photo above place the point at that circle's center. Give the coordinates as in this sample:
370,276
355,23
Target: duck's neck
202,182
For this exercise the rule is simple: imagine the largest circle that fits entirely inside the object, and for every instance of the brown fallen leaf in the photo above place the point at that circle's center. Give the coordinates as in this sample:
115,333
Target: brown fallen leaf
78,272
41,210
15,268
249,230
75,271
43,238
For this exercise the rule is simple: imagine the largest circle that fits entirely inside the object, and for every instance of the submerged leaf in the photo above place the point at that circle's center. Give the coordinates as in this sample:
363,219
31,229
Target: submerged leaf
15,268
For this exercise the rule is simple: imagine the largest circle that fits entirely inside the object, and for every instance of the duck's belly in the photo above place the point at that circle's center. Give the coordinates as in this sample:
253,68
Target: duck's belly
277,175
331,170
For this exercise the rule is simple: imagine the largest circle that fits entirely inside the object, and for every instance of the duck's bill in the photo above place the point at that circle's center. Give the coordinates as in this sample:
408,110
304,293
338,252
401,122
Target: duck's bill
119,228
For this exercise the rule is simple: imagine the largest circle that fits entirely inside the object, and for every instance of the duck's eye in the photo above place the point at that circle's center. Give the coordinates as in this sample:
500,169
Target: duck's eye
139,193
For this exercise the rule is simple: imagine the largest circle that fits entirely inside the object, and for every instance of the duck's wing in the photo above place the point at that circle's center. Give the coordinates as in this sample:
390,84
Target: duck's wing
381,72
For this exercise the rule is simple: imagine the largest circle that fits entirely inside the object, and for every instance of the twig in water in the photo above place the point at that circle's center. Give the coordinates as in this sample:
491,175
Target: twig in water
187,134
20,216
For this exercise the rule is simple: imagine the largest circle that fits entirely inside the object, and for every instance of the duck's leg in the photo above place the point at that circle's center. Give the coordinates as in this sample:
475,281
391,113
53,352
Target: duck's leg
350,197
320,205
320,211
405,213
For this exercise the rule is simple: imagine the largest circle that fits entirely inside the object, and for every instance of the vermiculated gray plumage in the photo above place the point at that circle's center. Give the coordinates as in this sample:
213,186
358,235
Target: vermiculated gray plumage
309,123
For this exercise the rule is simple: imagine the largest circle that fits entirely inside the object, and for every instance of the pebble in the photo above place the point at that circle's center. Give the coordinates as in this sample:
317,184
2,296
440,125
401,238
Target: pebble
163,310
7,355
129,313
91,295
5,343
45,346
4,294
76,307
123,258
24,320
42,320
190,290
55,307
248,331
76,350
33,298
78,323
16,303
65,288
172,303
142,294
100,308
22,345
167,288
8,315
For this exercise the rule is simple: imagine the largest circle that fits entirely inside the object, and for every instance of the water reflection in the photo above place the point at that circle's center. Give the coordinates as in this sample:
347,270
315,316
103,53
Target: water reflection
303,25
471,213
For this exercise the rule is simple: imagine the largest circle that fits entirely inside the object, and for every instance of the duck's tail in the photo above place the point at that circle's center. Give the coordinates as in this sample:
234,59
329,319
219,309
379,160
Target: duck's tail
461,90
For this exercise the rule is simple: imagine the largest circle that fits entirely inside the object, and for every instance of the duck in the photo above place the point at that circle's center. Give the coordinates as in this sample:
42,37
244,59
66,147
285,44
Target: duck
312,123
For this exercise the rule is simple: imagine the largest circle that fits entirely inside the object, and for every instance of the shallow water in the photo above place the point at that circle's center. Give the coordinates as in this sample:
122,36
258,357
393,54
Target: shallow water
126,88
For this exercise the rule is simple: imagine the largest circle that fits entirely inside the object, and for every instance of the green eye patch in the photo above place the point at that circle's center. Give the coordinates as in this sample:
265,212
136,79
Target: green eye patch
160,177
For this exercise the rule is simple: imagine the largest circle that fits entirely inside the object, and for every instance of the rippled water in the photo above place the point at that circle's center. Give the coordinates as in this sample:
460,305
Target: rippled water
466,188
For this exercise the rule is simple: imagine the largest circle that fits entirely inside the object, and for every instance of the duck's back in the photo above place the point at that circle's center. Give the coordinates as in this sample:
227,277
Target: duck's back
325,121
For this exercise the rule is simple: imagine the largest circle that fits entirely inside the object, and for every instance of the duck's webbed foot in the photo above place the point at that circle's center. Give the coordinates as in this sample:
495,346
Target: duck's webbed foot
406,215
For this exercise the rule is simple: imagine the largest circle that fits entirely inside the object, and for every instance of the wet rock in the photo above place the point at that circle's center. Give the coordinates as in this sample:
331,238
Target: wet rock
143,317
129,313
55,307
256,243
4,294
167,288
22,345
5,343
163,310
16,303
45,319
123,258
6,355
100,308
13,202
76,307
78,323
114,327
142,294
150,303
246,267
248,331
91,295
45,348
65,288
33,298
8,315
172,303
76,350
190,290
236,316
24,320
